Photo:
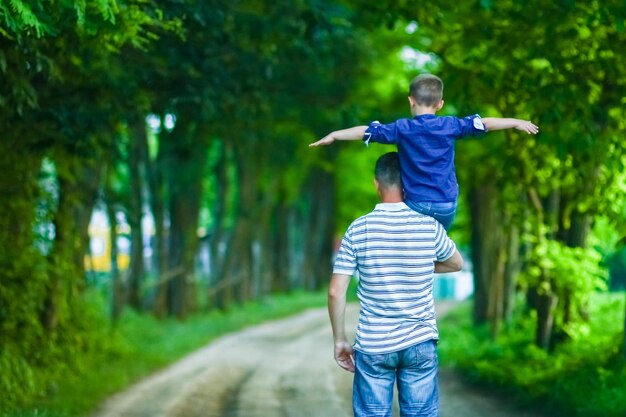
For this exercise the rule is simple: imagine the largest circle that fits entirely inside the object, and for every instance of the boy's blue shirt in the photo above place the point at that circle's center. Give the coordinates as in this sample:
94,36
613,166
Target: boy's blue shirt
426,151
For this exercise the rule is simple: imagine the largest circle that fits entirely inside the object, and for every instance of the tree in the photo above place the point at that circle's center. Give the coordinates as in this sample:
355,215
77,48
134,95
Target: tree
555,64
561,72
53,59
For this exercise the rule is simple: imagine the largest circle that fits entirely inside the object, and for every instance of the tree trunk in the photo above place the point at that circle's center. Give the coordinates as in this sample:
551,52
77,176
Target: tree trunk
497,289
576,237
262,257
184,244
488,256
220,239
117,302
567,307
280,247
624,339
135,215
189,162
551,206
511,271
579,230
320,234
22,278
158,202
238,263
546,303
78,186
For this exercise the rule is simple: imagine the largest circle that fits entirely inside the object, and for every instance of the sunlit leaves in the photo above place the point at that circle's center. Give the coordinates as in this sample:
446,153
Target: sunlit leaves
19,17
569,273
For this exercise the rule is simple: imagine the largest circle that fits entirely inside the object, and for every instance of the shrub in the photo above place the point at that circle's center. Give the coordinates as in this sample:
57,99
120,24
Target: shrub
584,376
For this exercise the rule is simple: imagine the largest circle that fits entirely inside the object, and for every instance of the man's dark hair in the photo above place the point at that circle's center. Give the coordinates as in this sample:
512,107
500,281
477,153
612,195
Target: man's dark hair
426,90
387,171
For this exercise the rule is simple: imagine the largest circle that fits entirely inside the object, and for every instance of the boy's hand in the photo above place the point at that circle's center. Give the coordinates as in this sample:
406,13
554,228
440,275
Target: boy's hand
352,133
326,140
526,126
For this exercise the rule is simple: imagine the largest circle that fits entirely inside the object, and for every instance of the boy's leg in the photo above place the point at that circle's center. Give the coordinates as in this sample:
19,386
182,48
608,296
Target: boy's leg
374,377
444,213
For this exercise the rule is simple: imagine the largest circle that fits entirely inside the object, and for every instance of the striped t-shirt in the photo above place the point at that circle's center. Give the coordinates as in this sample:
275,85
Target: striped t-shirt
394,248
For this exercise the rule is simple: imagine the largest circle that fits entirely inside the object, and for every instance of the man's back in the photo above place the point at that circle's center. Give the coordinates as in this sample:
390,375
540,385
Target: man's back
394,250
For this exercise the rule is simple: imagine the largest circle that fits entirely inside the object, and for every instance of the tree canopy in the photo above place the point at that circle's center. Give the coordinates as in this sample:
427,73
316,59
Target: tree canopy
187,123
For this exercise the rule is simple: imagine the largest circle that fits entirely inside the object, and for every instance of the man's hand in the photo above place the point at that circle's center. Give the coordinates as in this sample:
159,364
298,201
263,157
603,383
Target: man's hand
526,126
343,355
326,140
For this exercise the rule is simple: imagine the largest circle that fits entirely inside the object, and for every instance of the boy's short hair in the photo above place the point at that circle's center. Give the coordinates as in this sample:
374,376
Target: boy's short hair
387,170
426,90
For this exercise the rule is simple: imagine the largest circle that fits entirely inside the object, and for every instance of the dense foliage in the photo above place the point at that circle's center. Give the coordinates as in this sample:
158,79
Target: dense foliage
196,115
559,381
141,344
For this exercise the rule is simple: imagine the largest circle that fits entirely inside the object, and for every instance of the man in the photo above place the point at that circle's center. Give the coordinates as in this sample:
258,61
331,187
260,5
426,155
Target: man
396,251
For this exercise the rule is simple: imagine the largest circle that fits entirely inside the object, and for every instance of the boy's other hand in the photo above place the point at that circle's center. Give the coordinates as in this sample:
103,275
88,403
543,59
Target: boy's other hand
528,127
326,140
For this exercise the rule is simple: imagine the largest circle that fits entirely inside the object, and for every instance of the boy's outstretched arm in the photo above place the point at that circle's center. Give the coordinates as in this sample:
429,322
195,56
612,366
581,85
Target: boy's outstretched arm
499,123
353,133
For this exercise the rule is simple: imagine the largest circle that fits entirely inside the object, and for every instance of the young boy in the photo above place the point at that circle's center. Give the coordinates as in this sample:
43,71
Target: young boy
426,146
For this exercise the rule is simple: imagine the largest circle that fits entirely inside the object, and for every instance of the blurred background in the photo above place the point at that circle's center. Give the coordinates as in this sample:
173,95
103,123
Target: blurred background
155,174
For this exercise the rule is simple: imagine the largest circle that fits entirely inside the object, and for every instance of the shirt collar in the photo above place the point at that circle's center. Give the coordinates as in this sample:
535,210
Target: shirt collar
424,116
391,206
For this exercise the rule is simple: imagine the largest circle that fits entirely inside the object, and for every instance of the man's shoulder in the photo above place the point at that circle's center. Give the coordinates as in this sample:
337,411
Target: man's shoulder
396,213
359,221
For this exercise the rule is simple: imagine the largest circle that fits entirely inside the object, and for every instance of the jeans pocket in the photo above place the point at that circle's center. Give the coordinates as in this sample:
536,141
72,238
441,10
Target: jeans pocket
426,355
373,365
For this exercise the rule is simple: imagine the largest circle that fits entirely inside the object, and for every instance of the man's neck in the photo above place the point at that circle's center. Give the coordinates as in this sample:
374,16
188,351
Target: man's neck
391,197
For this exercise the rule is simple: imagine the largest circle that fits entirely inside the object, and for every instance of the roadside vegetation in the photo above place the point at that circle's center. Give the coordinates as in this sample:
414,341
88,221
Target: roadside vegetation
583,376
138,344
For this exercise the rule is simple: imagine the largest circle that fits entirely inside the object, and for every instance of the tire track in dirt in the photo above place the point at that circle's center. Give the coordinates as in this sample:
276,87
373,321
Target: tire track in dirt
282,368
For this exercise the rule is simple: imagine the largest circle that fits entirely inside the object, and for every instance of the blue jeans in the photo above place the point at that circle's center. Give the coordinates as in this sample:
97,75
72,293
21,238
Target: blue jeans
415,370
442,212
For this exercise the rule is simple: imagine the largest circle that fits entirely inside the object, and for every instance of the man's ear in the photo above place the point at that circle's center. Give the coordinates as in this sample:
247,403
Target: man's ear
440,105
377,185
411,101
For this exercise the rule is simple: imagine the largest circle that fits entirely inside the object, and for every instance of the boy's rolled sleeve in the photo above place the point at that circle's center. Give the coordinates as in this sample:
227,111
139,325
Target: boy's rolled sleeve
380,133
471,126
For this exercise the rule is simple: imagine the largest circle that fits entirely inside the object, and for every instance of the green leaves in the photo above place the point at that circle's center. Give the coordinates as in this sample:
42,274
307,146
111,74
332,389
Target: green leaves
558,268
18,17
21,18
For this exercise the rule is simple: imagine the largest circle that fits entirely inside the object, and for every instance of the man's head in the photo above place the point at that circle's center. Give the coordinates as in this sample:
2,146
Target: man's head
426,90
387,177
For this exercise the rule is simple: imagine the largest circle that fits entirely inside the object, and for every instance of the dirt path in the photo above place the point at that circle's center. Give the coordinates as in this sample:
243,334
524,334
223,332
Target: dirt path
280,369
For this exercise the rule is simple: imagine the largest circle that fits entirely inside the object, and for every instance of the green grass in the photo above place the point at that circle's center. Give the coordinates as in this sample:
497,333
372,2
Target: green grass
585,376
141,344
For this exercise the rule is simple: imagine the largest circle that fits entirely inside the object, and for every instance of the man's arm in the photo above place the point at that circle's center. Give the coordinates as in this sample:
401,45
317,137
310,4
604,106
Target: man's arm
452,264
499,123
352,133
337,312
